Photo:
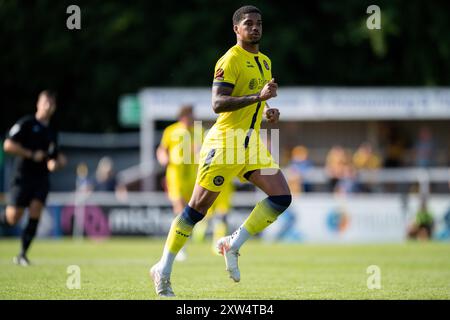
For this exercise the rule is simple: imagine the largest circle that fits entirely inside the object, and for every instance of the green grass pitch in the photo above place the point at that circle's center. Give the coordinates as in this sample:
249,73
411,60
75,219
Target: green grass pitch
118,269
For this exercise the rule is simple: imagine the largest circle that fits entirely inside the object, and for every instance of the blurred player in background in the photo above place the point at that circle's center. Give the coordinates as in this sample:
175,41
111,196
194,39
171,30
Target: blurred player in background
35,146
177,151
242,84
422,226
218,215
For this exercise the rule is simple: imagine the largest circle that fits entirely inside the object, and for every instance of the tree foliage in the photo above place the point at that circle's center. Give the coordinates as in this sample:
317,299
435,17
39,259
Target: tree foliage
124,46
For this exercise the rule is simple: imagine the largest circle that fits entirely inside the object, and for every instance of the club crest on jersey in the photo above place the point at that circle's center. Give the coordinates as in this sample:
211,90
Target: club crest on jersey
219,74
218,180
266,65
252,84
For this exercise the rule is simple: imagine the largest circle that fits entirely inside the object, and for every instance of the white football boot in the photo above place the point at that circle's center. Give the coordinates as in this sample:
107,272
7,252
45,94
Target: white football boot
162,284
21,260
231,258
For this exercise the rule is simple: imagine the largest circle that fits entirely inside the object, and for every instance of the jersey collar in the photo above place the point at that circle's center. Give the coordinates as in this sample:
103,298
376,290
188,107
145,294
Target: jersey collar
249,54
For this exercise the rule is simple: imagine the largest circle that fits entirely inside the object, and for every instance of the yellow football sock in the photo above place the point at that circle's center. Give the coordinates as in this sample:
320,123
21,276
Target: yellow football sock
261,217
179,233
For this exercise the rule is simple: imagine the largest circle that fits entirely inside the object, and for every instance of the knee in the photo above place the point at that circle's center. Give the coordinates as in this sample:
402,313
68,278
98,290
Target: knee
191,215
200,203
280,203
200,206
35,209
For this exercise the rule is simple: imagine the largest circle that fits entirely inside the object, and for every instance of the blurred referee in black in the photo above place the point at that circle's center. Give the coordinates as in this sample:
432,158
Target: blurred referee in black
35,147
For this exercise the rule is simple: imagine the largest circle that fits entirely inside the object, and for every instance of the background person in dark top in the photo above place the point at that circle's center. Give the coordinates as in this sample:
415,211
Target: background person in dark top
106,179
35,146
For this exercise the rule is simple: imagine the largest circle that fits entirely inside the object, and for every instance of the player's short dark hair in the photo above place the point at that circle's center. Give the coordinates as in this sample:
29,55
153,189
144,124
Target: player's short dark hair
50,94
239,13
185,110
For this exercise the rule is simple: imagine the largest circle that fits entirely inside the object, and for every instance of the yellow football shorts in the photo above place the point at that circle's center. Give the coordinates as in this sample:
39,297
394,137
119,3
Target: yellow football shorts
218,166
180,180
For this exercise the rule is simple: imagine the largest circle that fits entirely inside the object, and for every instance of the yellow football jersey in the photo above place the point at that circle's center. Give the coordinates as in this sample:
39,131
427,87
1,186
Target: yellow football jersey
183,144
246,73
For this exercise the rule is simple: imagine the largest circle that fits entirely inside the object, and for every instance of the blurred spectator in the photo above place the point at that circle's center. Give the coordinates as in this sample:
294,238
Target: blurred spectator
335,164
106,180
422,227
365,158
298,168
83,183
348,182
424,149
395,150
105,177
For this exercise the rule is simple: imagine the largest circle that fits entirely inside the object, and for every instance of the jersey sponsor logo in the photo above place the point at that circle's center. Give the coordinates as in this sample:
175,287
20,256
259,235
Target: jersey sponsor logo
253,84
219,74
210,156
266,65
218,180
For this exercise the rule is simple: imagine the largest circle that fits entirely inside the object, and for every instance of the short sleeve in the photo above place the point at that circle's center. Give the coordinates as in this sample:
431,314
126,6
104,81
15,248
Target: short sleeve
165,140
226,72
17,132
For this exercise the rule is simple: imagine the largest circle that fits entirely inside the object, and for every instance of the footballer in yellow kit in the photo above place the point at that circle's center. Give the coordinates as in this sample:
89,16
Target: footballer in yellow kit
242,84
178,151
233,146
180,177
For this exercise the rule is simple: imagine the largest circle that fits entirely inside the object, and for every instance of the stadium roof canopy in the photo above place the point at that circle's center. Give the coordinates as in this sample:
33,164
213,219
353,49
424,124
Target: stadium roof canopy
313,104
297,104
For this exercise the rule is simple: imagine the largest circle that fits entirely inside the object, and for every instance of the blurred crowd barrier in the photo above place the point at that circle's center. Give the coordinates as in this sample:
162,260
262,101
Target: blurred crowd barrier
315,218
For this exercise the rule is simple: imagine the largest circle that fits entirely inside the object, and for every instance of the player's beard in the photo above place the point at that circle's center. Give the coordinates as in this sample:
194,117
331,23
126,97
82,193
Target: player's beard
255,40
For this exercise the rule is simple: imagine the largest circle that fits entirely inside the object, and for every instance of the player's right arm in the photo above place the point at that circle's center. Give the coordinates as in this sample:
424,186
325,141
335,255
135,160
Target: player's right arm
14,148
13,145
223,101
162,152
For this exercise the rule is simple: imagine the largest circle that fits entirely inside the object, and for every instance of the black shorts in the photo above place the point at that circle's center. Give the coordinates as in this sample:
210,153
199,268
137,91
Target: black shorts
23,192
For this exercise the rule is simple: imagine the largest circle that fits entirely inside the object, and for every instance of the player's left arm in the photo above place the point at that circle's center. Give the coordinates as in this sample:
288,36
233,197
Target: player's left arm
57,160
272,114
55,164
